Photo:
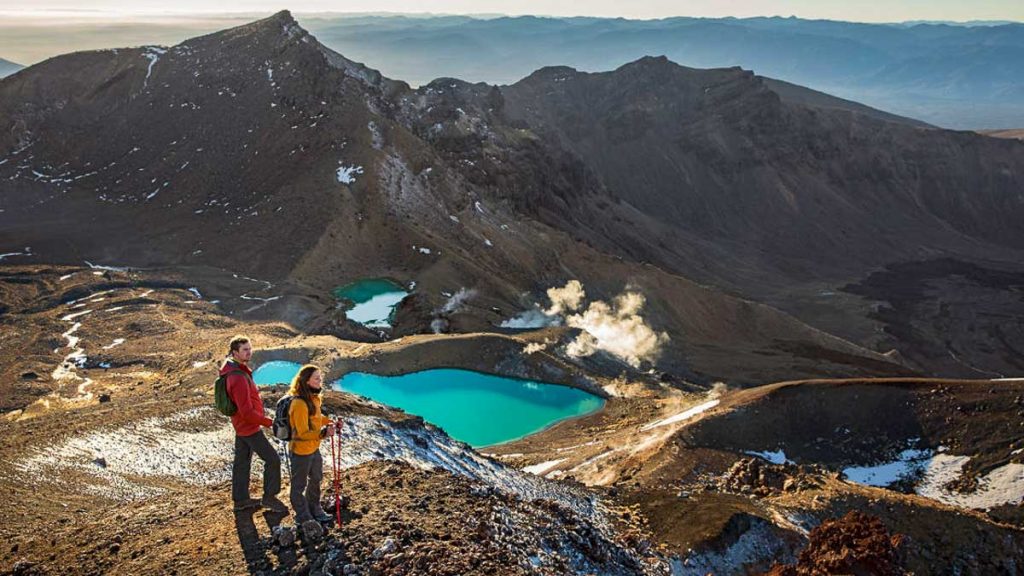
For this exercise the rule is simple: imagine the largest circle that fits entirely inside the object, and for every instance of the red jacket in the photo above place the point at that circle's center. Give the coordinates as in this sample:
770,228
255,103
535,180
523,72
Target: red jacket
243,392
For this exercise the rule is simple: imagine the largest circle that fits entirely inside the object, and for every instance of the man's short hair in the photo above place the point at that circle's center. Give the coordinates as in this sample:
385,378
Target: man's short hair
236,343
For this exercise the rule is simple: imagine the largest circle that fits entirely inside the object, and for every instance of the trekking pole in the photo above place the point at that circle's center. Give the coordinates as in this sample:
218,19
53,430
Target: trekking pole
336,469
286,458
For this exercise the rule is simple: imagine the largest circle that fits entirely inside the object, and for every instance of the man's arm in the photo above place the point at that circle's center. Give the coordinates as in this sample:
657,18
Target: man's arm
248,411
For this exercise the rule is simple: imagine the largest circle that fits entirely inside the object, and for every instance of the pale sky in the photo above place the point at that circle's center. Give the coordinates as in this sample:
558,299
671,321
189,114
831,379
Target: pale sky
853,10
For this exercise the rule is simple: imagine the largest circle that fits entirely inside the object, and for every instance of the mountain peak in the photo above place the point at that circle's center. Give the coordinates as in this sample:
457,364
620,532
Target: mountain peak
283,17
551,73
653,60
650,62
280,23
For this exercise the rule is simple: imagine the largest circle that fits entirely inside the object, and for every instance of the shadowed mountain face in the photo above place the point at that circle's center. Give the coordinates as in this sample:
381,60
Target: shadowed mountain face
261,151
7,67
720,156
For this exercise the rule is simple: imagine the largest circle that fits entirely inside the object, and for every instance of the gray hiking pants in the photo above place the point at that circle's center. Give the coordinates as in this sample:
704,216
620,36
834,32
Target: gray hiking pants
307,473
244,448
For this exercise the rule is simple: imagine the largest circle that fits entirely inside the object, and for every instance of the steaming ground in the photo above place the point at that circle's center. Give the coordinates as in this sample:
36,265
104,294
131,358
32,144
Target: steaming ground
617,328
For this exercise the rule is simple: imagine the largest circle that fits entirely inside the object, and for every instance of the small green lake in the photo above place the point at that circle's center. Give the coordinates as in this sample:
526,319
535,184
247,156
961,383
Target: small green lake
372,302
479,409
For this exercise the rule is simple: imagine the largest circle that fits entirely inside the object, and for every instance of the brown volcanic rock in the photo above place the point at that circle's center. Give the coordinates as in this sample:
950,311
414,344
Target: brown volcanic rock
756,476
855,544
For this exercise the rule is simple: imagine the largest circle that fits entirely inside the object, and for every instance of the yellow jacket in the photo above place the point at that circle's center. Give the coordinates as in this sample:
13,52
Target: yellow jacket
305,428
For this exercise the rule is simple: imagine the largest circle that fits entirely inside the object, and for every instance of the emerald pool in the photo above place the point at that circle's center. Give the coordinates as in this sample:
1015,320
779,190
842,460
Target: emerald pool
372,302
275,372
479,409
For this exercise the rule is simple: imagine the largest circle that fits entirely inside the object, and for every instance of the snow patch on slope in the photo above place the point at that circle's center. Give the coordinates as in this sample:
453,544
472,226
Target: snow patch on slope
682,416
908,463
152,53
540,469
776,457
186,446
27,252
347,174
193,446
933,472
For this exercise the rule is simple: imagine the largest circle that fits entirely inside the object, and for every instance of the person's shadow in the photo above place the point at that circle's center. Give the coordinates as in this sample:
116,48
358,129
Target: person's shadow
255,549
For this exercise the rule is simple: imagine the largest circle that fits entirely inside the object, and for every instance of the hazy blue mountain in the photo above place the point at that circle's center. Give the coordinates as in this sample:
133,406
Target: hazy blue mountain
7,67
951,75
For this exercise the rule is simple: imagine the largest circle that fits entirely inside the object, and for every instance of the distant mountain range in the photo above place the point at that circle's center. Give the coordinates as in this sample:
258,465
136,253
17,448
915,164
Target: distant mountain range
7,67
968,24
775,231
954,76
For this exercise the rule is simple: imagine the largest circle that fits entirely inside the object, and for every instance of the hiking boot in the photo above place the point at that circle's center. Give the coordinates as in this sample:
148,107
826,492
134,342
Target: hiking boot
322,517
272,504
247,504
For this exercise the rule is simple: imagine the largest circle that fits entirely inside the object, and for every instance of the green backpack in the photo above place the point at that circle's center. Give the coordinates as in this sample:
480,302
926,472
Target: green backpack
221,400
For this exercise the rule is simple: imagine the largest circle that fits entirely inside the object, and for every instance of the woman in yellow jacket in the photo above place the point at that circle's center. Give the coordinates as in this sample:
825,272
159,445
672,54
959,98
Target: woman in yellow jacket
309,426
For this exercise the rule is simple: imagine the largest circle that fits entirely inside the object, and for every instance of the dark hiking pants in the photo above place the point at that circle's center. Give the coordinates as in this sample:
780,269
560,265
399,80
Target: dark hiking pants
244,448
307,472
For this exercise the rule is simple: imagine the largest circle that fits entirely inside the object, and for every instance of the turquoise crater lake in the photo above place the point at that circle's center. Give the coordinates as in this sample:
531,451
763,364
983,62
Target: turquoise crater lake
479,409
275,372
371,302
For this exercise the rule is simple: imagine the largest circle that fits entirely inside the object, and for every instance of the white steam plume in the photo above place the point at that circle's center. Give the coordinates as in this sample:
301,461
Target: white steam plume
455,303
535,318
617,329
566,299
438,325
563,300
534,347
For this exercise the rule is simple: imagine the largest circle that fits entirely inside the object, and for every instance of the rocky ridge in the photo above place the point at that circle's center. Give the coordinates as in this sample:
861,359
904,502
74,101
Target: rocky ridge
172,155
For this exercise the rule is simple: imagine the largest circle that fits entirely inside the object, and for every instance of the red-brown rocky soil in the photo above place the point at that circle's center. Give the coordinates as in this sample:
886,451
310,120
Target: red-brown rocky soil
855,544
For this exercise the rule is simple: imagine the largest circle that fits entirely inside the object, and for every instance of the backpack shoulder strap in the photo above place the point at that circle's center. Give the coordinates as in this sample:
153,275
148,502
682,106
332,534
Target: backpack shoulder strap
242,372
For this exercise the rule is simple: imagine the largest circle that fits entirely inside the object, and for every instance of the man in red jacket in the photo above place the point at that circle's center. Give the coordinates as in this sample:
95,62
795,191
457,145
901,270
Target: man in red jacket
249,437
